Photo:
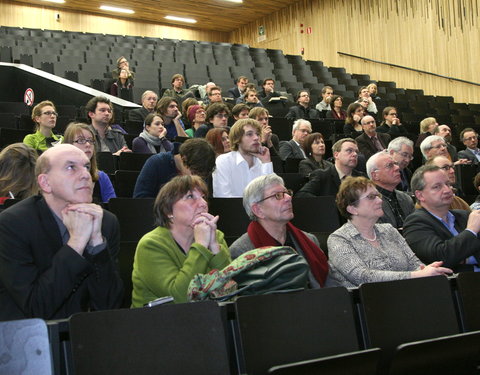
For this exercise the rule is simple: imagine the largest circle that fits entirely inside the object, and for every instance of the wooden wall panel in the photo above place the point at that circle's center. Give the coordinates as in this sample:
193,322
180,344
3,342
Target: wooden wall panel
19,15
439,36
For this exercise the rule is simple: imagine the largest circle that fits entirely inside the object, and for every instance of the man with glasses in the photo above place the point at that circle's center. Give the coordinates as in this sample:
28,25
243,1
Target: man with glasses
401,150
469,138
370,142
449,168
214,95
216,116
434,232
247,160
445,132
292,149
432,146
149,101
327,181
302,109
385,173
269,205
100,113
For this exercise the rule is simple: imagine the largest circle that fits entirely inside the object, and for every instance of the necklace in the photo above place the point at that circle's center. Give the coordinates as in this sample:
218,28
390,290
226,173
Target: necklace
371,239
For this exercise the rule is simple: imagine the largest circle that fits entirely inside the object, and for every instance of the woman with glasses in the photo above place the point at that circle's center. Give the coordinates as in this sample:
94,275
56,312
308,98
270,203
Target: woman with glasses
152,139
184,243
196,117
362,251
391,123
81,136
269,205
44,115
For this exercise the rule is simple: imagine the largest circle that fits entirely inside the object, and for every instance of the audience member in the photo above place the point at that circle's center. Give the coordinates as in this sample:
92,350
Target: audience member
384,171
44,115
327,181
239,89
292,149
269,205
216,117
195,157
314,149
426,129
362,251
366,101
326,103
107,139
204,92
123,82
185,242
196,118
336,112
469,138
219,140
370,142
240,111
250,99
269,139
81,136
302,109
268,92
447,166
373,91
391,123
353,128
152,139
434,145
122,63
214,95
177,91
445,132
167,107
17,172
65,262
401,150
247,160
434,232
149,101
476,182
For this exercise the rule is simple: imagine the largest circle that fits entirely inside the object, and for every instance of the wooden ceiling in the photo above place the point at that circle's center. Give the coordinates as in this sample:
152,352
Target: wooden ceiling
216,15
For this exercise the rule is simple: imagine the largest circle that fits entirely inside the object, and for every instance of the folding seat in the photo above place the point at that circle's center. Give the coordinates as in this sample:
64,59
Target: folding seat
196,73
8,120
389,84
9,136
238,71
135,215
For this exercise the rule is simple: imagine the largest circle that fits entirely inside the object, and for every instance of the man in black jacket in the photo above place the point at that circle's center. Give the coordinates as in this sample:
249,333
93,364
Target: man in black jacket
149,101
302,109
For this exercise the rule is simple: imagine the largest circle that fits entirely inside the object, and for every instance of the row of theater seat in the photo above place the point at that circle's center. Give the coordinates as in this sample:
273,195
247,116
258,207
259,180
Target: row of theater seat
416,326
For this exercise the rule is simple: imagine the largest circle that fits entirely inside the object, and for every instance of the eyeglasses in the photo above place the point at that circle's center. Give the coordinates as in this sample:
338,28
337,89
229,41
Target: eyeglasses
278,196
392,114
390,165
308,131
221,115
447,167
370,197
439,146
470,138
50,113
405,155
82,141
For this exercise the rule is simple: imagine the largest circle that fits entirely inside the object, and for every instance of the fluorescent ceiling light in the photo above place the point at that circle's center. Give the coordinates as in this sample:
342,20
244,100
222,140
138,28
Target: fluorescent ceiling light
115,9
235,1
55,1
180,19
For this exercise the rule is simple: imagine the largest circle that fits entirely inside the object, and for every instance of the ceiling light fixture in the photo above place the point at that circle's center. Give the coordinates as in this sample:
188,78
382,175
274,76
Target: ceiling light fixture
180,19
234,1
55,1
115,9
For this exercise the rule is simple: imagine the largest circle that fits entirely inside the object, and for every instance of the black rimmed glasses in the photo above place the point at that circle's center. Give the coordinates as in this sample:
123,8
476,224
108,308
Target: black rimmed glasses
82,141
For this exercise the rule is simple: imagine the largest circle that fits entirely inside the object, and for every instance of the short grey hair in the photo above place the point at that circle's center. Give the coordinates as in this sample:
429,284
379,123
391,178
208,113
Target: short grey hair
255,191
147,93
372,163
299,122
397,143
427,143
418,178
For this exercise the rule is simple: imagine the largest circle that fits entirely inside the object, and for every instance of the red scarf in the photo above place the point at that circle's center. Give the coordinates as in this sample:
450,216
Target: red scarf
314,255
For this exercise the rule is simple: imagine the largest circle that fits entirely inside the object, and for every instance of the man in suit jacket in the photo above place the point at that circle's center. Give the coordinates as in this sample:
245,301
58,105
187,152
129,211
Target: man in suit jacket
469,138
370,142
385,173
149,101
58,251
327,181
434,232
302,109
293,148
239,89
401,150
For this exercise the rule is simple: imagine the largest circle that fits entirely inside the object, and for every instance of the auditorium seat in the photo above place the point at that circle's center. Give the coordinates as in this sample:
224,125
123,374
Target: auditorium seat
9,136
125,181
468,289
135,216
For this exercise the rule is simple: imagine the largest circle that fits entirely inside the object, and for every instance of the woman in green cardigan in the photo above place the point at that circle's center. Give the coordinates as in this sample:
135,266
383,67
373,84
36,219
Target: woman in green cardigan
44,115
185,243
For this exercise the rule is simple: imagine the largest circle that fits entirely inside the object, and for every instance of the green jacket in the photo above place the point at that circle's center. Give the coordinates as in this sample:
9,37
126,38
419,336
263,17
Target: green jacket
161,269
38,141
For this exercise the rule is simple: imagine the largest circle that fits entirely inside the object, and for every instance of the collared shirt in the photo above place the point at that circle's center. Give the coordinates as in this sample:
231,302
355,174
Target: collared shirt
300,147
342,175
476,152
232,174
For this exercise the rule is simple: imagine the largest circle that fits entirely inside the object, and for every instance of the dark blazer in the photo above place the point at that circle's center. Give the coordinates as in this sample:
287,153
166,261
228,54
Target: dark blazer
323,182
42,278
406,175
138,114
300,112
452,150
406,204
394,130
430,240
468,154
290,149
266,96
309,165
234,92
366,146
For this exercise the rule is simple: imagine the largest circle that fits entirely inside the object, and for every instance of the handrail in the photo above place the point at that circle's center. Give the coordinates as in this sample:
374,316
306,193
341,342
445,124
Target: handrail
407,68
